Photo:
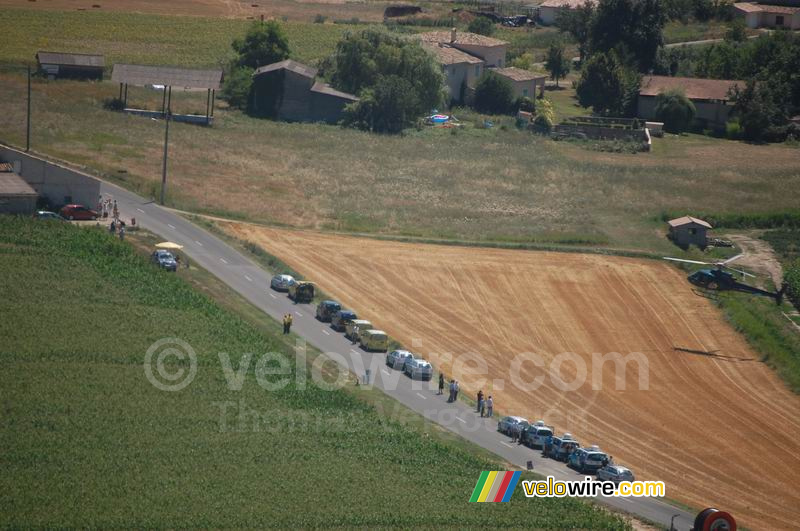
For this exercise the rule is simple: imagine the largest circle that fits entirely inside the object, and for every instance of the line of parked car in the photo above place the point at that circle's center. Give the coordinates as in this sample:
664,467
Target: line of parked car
586,460
357,330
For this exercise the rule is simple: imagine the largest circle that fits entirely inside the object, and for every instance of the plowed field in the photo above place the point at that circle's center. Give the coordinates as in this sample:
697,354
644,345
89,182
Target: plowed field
714,423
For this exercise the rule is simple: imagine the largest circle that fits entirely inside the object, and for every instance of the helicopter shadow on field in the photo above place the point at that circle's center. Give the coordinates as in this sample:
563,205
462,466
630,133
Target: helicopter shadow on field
711,354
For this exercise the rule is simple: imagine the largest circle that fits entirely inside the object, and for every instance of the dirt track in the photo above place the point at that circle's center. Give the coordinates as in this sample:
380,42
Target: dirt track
719,429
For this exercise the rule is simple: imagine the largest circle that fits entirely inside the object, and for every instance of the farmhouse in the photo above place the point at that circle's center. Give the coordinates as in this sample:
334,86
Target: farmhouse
71,65
16,196
465,56
758,15
710,97
687,231
288,90
549,10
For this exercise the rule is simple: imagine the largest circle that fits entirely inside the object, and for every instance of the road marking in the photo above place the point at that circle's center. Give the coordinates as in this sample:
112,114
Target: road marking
140,210
171,225
326,332
248,278
223,260
298,313
198,243
272,295
384,371
421,396
354,351
505,443
462,420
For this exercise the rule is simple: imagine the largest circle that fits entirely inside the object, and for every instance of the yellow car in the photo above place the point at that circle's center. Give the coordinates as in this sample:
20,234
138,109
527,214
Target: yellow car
374,340
301,291
362,324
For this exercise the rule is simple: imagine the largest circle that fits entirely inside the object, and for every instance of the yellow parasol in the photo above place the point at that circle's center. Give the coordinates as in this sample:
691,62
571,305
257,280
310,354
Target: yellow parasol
168,245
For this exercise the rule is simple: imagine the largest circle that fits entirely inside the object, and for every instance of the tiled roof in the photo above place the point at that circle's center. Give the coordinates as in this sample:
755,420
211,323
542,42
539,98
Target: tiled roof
71,59
462,37
685,220
288,64
141,75
695,88
447,55
517,74
750,7
12,184
322,88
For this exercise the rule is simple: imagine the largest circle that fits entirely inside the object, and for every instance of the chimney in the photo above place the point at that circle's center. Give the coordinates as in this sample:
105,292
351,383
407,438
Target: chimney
452,36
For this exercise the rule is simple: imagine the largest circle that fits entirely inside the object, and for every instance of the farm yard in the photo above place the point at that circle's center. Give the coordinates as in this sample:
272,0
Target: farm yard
708,390
87,440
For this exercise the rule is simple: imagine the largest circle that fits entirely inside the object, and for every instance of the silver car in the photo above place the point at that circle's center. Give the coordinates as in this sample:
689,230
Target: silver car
507,424
397,359
615,474
281,282
418,368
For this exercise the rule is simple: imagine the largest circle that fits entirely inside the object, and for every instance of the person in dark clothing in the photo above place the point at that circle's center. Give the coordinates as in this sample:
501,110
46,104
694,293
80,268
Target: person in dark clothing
441,384
480,399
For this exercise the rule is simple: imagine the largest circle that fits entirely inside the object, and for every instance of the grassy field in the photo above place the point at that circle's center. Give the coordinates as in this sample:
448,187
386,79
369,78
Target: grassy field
146,39
88,441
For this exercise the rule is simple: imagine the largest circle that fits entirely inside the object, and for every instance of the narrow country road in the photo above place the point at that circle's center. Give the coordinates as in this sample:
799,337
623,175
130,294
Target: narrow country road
252,282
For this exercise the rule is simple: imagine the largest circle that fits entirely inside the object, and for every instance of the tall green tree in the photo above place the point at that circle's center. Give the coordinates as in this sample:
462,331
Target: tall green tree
675,110
607,86
493,94
759,106
630,28
263,44
557,64
366,63
578,24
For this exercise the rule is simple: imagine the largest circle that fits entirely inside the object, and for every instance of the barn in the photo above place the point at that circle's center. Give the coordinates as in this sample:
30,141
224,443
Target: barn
71,65
289,91
686,230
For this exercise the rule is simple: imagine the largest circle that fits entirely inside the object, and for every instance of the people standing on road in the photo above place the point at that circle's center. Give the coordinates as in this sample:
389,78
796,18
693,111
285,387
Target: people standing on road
489,406
548,444
483,408
355,334
514,434
289,325
441,384
122,232
455,396
285,323
480,399
112,228
115,210
521,437
452,391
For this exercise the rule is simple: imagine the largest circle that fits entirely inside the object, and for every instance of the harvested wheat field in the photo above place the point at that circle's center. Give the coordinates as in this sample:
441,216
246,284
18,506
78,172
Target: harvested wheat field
720,430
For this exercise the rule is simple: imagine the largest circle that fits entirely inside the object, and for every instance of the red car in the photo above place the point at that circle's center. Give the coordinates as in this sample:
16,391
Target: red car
78,212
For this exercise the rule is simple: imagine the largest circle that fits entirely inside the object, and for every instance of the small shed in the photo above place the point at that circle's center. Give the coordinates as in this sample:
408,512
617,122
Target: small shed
71,65
16,196
687,231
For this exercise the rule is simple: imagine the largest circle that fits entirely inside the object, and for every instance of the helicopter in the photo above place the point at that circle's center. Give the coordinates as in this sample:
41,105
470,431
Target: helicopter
718,279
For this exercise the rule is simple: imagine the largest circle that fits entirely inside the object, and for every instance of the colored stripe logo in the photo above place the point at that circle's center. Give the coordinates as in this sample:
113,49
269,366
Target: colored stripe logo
495,486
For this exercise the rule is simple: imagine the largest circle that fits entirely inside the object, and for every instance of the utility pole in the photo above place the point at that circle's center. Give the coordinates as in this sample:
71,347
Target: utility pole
28,133
164,166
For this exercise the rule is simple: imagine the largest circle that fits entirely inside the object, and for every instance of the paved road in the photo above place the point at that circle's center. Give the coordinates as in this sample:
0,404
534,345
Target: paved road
252,282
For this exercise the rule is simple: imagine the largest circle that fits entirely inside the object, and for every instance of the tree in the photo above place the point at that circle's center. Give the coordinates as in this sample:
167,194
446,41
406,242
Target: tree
367,62
736,31
263,44
608,86
481,26
524,61
630,28
556,63
675,110
577,23
237,88
493,94
758,106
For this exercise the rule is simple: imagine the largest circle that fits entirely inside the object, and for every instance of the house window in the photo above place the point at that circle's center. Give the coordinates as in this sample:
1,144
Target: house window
525,93
477,70
779,20
693,232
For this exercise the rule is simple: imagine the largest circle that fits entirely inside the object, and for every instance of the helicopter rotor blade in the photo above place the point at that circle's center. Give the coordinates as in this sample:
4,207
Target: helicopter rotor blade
743,273
731,259
687,261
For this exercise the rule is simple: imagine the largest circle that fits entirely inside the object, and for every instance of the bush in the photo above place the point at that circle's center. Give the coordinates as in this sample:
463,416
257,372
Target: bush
320,19
263,44
481,26
493,94
675,110
113,104
237,88
733,130
792,279
525,104
545,115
